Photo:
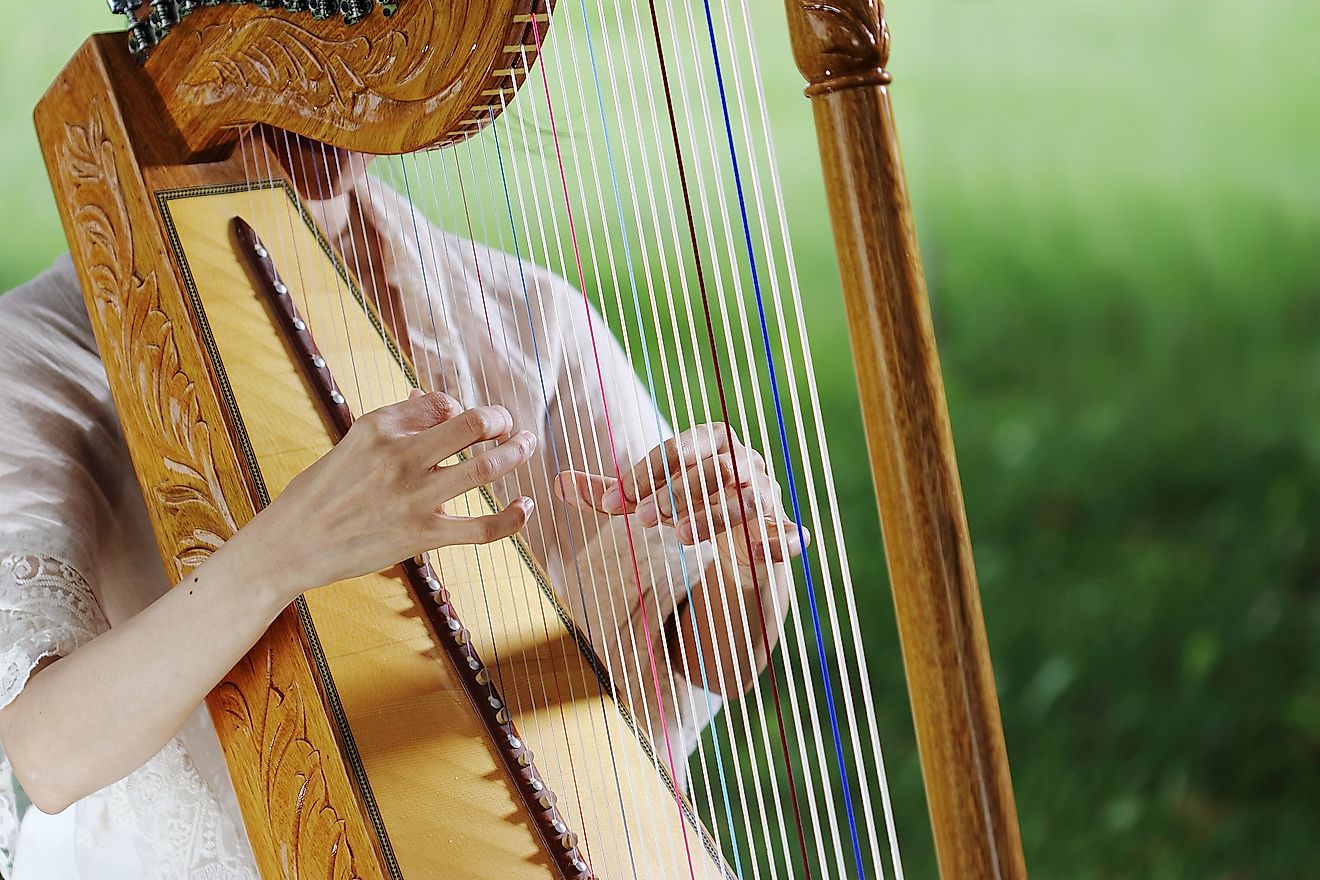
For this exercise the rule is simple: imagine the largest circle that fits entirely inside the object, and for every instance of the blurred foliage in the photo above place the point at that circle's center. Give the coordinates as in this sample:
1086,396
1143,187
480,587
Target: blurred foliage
1118,209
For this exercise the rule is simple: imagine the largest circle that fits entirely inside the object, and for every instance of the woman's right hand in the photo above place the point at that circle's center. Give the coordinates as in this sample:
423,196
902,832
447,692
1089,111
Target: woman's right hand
378,497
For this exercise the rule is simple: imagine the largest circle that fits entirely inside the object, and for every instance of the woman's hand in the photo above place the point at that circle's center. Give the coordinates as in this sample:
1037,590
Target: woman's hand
704,484
378,497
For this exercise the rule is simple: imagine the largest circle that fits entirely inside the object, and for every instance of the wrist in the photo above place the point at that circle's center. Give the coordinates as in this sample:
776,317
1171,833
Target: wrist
254,564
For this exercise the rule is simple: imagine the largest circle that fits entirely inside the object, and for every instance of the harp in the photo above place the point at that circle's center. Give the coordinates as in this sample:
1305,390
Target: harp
461,715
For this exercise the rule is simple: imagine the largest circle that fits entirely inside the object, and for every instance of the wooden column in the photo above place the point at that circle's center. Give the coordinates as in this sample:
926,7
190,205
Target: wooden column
842,48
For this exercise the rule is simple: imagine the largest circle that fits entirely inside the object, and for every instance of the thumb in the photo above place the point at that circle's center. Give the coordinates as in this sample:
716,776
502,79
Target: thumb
583,490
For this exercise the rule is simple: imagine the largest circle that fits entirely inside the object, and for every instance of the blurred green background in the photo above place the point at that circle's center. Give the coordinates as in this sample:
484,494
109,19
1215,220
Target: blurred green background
1119,208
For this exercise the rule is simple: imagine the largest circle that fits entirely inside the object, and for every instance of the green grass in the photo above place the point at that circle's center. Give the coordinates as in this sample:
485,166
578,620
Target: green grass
1118,212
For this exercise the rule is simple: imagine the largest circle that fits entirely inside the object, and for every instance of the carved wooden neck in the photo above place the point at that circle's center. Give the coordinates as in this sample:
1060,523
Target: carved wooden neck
839,44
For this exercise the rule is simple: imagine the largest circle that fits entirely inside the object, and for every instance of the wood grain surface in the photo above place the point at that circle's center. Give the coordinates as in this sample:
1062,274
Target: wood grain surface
432,73
842,48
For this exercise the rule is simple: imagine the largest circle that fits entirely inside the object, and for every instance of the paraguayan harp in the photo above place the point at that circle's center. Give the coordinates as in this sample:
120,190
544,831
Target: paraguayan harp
395,755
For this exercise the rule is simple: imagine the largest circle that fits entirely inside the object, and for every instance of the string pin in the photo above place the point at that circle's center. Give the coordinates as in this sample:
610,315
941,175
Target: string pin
336,397
514,742
280,288
299,325
318,361
261,252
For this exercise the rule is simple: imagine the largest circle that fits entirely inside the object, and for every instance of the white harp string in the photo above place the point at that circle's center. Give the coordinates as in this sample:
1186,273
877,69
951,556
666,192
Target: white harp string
577,175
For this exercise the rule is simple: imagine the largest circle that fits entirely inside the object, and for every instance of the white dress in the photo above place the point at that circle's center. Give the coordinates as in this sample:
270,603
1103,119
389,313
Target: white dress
77,555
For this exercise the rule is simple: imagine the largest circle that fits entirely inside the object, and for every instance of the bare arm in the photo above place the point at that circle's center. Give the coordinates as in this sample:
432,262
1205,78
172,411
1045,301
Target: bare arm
88,719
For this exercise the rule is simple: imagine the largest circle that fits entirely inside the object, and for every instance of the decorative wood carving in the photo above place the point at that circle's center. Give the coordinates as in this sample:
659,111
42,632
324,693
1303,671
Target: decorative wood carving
290,768
392,84
841,47
128,305
839,44
168,406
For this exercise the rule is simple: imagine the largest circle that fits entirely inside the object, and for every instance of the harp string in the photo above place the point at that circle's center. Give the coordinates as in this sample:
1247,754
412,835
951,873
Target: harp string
667,285
730,247
609,428
822,445
520,188
528,599
704,397
569,33
667,575
724,410
651,384
559,463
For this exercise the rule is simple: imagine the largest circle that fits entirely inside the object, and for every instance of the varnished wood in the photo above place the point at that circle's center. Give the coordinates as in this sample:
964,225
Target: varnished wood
384,85
431,597
115,133
305,820
438,783
842,48
307,753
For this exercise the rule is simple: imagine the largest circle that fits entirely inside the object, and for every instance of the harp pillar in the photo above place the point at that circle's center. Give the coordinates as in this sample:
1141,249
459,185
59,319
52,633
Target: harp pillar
842,48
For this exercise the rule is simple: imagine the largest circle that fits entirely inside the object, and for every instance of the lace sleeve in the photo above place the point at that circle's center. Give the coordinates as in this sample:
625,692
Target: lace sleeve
47,609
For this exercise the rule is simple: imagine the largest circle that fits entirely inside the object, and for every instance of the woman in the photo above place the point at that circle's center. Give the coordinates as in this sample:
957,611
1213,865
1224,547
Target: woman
103,670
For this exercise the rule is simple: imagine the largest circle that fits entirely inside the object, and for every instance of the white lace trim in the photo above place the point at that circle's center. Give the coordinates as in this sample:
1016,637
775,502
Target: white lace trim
47,609
166,816
163,818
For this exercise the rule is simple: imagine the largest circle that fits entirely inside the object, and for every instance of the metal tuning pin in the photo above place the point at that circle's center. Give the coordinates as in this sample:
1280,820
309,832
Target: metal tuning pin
323,9
163,17
356,10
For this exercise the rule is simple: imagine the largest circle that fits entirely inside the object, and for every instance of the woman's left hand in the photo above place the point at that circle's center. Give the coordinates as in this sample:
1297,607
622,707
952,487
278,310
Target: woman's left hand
704,484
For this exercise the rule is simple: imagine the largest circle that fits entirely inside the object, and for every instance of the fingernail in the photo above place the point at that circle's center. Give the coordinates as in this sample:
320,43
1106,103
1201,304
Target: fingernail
530,439
648,512
612,500
526,503
684,531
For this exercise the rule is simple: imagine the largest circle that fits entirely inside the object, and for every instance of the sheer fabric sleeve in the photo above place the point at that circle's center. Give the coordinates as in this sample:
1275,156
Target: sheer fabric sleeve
633,578
59,446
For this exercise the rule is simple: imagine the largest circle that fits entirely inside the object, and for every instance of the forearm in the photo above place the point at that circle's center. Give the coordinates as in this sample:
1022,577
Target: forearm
732,621
93,717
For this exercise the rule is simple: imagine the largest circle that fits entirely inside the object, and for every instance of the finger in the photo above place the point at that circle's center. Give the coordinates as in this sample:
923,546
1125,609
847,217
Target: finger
783,540
459,432
670,457
582,490
422,410
719,513
485,529
689,489
489,465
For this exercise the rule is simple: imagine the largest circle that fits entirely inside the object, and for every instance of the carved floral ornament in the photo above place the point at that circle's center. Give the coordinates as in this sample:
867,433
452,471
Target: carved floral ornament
839,44
165,397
